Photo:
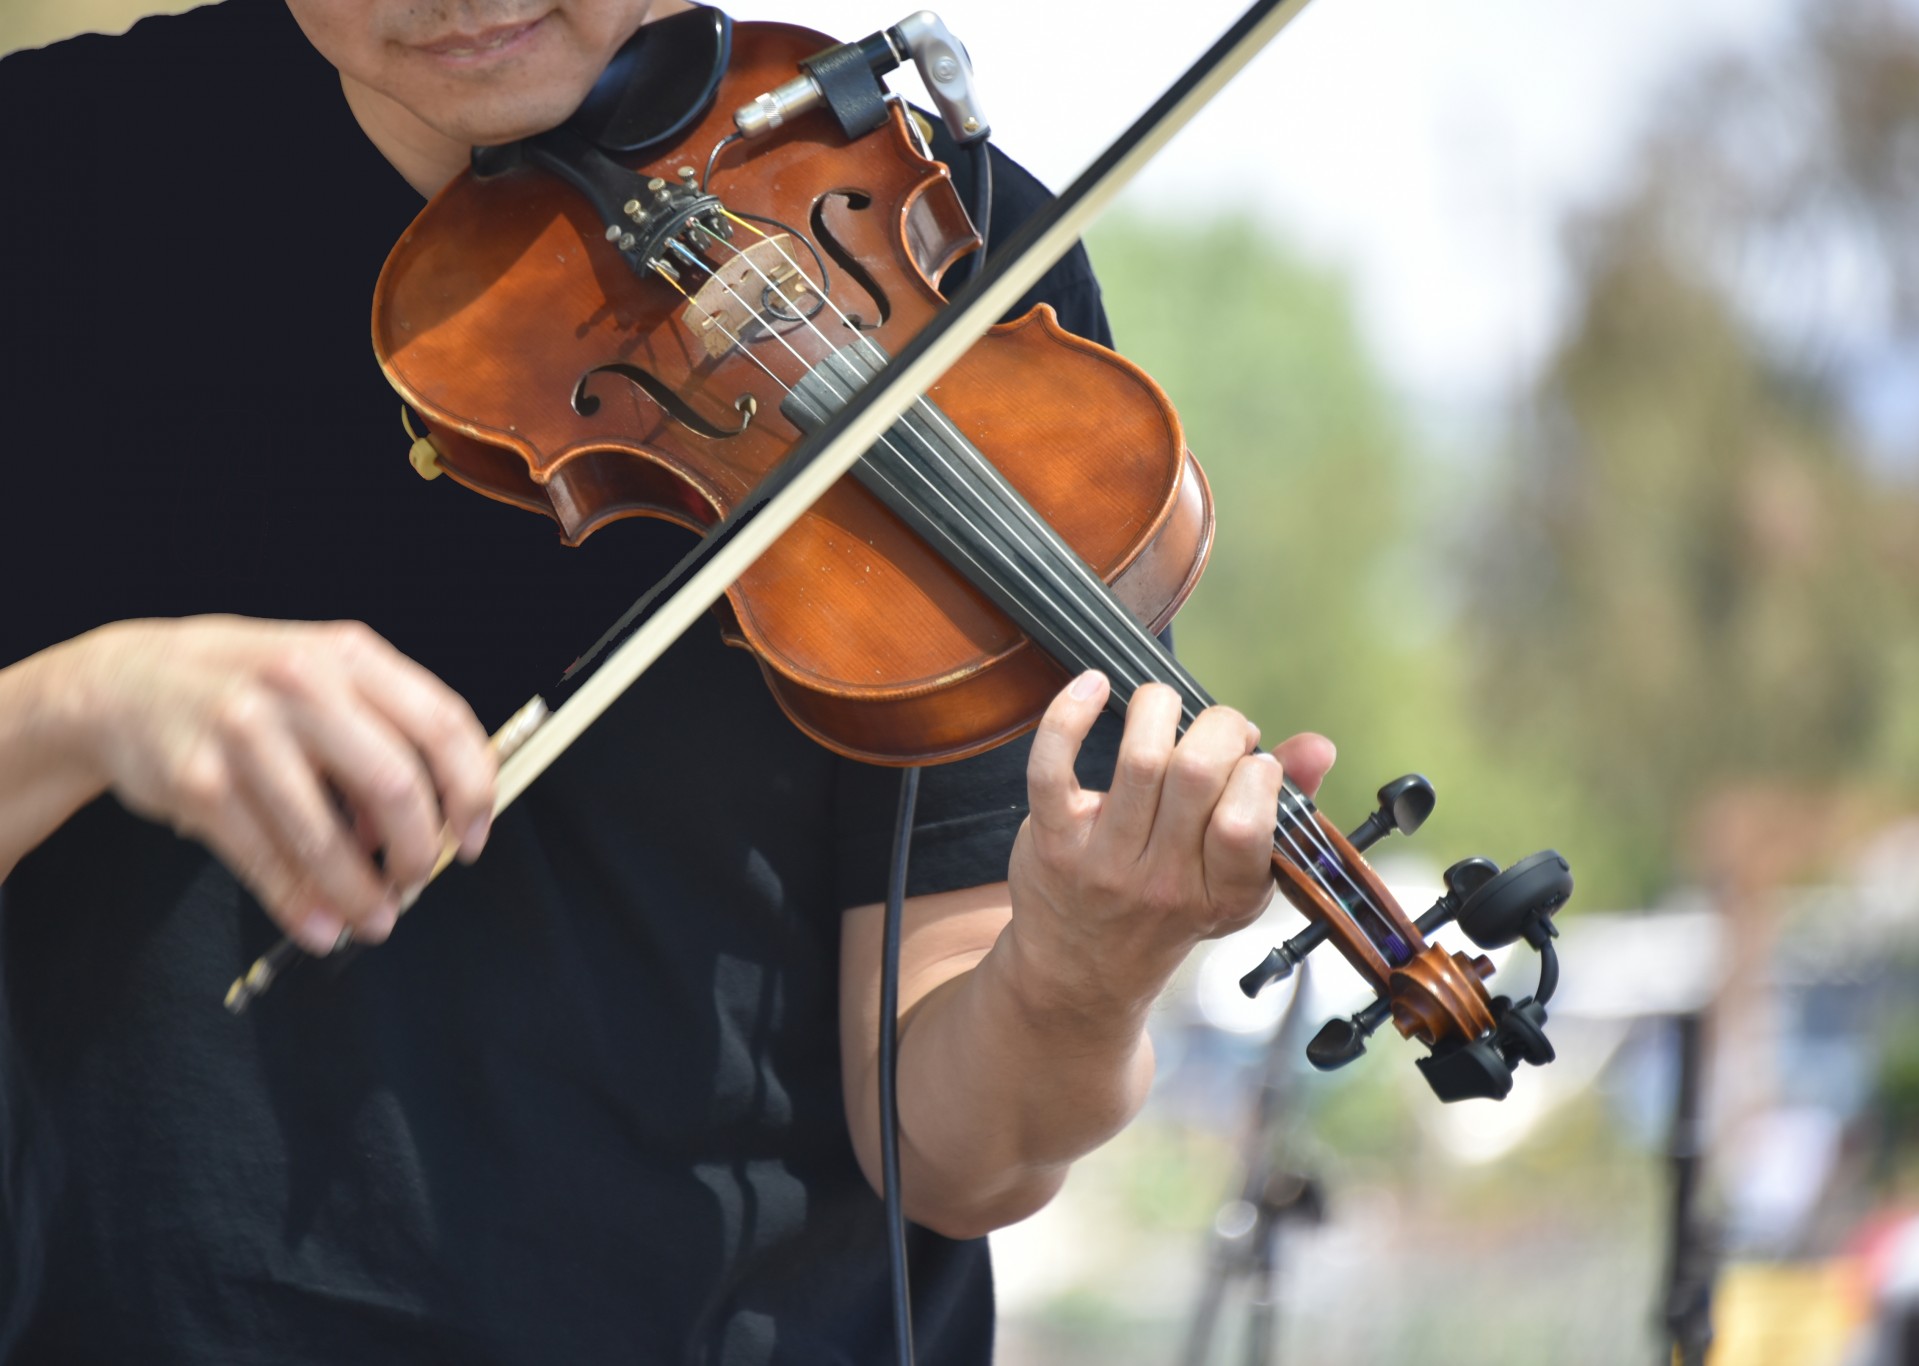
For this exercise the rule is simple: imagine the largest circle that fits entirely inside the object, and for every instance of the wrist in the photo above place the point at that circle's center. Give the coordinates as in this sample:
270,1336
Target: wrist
63,707
1089,1000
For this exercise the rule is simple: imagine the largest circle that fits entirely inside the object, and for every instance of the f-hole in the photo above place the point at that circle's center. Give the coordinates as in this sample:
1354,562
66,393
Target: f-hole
857,202
653,387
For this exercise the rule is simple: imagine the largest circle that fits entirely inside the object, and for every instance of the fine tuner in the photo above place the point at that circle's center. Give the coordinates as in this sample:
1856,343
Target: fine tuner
1495,908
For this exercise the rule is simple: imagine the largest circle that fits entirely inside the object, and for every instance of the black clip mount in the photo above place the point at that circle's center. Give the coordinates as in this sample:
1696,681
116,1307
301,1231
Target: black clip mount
1503,907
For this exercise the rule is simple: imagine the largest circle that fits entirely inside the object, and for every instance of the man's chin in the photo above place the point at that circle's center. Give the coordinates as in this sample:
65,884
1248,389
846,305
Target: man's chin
493,126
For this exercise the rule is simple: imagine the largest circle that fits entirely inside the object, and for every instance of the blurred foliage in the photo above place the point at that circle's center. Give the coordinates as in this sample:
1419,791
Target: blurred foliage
1696,575
1897,1090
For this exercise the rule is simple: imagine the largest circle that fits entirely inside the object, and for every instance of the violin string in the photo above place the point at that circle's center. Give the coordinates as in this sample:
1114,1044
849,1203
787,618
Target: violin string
1323,862
1141,670
738,344
1089,646
1142,651
1318,868
1137,674
1105,660
935,416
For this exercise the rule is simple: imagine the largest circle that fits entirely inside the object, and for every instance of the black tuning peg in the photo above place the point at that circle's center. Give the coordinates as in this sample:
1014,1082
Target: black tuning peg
1340,1041
1462,880
1494,909
1404,804
1278,965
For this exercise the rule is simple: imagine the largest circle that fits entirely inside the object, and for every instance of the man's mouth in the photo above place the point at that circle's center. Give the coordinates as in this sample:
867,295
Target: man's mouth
482,44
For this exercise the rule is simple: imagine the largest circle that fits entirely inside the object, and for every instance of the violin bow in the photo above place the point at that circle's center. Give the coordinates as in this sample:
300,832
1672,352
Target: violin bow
540,731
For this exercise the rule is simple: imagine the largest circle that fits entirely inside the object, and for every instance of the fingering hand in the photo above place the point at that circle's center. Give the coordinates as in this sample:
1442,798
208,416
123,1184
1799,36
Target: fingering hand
1112,889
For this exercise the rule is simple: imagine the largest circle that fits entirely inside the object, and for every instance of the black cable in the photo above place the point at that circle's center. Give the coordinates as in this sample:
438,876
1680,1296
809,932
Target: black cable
889,1071
982,202
1548,973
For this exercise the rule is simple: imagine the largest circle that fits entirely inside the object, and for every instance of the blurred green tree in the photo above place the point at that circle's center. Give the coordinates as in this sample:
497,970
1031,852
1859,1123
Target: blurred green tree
1696,581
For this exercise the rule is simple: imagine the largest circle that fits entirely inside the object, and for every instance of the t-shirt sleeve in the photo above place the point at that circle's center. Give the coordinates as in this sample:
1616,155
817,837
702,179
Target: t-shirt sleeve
964,823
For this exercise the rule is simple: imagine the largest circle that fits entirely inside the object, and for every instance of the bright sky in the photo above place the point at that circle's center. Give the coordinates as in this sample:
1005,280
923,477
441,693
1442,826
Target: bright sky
1431,149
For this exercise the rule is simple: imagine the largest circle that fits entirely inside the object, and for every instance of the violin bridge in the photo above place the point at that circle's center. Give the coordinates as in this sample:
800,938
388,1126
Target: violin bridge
759,290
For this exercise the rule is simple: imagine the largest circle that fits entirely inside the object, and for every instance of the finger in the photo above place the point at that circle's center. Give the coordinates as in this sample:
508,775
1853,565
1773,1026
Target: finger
1238,840
1052,788
277,779
255,858
1145,749
382,779
1196,778
365,833
442,727
1306,758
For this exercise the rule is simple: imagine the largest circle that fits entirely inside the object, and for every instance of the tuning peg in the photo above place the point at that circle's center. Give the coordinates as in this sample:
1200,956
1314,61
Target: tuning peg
1462,880
1278,965
1404,804
1340,1041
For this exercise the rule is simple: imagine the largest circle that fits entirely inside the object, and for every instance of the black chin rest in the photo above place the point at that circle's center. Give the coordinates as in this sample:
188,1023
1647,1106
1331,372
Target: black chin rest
659,83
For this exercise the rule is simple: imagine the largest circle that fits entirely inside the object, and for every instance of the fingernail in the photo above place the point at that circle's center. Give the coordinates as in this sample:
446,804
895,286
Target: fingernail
1087,684
318,932
376,927
475,839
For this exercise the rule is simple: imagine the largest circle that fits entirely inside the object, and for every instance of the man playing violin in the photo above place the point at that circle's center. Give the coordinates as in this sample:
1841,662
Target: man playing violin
611,1093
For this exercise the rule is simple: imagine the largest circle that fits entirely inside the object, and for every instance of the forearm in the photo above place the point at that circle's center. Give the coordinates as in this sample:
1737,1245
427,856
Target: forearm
46,771
1007,1075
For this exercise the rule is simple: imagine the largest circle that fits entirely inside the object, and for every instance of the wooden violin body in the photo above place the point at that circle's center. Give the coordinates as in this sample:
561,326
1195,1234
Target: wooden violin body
556,379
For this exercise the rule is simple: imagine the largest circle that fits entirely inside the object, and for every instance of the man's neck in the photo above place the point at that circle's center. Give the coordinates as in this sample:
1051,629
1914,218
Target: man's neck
426,158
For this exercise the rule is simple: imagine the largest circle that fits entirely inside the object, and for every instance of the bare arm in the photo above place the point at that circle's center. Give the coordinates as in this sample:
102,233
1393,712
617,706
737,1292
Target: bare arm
43,752
293,750
1023,1005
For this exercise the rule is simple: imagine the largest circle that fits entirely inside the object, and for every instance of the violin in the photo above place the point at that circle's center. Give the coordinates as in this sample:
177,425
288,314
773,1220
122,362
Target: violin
643,312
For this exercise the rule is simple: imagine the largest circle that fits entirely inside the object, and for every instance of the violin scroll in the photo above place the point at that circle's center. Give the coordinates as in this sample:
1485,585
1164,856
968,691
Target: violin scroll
1439,998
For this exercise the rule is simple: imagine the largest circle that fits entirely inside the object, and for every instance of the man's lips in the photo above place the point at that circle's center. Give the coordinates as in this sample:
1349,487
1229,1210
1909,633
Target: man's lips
485,43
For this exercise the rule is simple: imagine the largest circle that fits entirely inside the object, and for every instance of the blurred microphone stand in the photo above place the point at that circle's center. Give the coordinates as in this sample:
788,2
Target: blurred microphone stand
1243,1246
1693,1253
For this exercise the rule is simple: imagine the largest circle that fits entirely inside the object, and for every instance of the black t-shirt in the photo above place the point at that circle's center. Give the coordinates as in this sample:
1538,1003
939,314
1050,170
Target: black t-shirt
586,1105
